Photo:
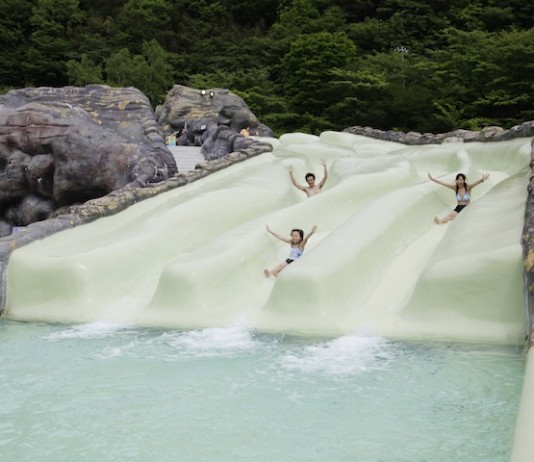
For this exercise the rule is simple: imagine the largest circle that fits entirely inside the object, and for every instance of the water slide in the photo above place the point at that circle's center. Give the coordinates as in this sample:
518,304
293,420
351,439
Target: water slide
194,257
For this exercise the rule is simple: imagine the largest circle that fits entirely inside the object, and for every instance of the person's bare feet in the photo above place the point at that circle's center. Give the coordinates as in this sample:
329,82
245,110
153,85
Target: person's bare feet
267,273
437,220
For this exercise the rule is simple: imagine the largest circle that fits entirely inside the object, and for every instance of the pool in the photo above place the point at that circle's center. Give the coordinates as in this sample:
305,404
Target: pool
110,392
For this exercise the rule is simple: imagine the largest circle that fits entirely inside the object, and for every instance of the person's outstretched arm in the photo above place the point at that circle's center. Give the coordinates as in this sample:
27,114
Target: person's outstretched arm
442,183
485,176
290,170
282,238
325,175
305,240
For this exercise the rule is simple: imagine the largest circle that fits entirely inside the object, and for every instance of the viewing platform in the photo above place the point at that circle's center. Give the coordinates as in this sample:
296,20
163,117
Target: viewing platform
187,157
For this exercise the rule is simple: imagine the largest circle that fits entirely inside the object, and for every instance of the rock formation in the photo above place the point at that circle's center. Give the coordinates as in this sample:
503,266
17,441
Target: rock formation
219,105
526,130
60,146
220,141
211,118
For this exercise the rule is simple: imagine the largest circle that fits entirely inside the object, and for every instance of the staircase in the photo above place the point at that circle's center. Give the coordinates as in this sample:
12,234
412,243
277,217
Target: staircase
187,157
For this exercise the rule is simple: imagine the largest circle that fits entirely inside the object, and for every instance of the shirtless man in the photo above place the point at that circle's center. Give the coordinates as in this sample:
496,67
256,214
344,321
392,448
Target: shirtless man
312,188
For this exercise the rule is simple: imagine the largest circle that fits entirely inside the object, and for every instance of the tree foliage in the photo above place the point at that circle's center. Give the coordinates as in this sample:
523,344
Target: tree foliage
303,65
307,69
54,24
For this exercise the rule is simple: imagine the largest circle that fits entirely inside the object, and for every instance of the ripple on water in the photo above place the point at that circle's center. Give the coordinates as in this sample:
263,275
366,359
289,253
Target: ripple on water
211,392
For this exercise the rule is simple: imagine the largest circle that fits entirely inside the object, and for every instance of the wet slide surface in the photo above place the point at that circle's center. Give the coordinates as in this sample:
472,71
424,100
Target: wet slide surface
194,257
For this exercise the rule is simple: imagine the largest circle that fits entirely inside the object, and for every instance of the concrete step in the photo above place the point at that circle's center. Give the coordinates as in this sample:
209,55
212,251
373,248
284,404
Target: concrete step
187,157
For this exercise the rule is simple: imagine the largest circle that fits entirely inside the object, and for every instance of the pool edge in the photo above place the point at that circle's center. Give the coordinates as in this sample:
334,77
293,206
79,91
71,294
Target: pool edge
523,443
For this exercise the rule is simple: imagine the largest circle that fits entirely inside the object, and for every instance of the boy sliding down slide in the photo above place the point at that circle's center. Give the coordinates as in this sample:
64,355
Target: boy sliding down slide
312,188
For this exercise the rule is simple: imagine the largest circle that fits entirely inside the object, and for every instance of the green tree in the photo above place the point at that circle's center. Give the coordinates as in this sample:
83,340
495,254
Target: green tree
247,13
54,24
299,64
351,90
84,72
369,35
296,19
307,69
489,75
124,69
159,74
151,72
415,24
144,20
508,77
14,19
481,15
102,8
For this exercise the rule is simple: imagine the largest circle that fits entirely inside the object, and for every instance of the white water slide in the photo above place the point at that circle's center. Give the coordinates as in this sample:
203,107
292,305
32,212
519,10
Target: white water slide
194,257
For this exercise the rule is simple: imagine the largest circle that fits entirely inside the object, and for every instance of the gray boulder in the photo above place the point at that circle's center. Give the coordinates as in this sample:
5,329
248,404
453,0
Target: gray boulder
217,104
221,141
60,146
212,119
5,230
195,131
29,210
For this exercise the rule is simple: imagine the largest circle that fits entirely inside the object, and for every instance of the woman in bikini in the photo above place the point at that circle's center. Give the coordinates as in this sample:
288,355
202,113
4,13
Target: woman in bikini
463,194
297,243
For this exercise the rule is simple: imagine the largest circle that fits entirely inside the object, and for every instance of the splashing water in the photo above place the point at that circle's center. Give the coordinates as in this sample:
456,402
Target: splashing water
350,354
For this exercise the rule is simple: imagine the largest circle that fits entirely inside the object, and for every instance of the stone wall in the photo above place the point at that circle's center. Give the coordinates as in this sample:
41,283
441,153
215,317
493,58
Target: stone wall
525,130
527,242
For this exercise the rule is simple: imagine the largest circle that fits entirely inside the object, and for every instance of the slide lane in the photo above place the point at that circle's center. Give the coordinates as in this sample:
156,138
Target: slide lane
472,285
112,266
194,257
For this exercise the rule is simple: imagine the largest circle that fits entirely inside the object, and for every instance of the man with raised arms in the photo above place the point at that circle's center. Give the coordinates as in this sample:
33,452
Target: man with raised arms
312,188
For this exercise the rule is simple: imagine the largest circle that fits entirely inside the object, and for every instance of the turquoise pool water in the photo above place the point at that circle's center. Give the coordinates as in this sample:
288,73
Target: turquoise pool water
103,392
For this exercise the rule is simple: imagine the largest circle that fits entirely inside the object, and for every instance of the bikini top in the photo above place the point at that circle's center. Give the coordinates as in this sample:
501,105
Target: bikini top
465,197
295,253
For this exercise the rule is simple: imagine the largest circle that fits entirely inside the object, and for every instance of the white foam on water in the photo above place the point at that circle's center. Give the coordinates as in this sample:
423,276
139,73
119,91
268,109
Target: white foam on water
172,345
97,329
346,355
213,342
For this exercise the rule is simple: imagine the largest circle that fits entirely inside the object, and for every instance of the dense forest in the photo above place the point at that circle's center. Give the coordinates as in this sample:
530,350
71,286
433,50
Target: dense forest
305,65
